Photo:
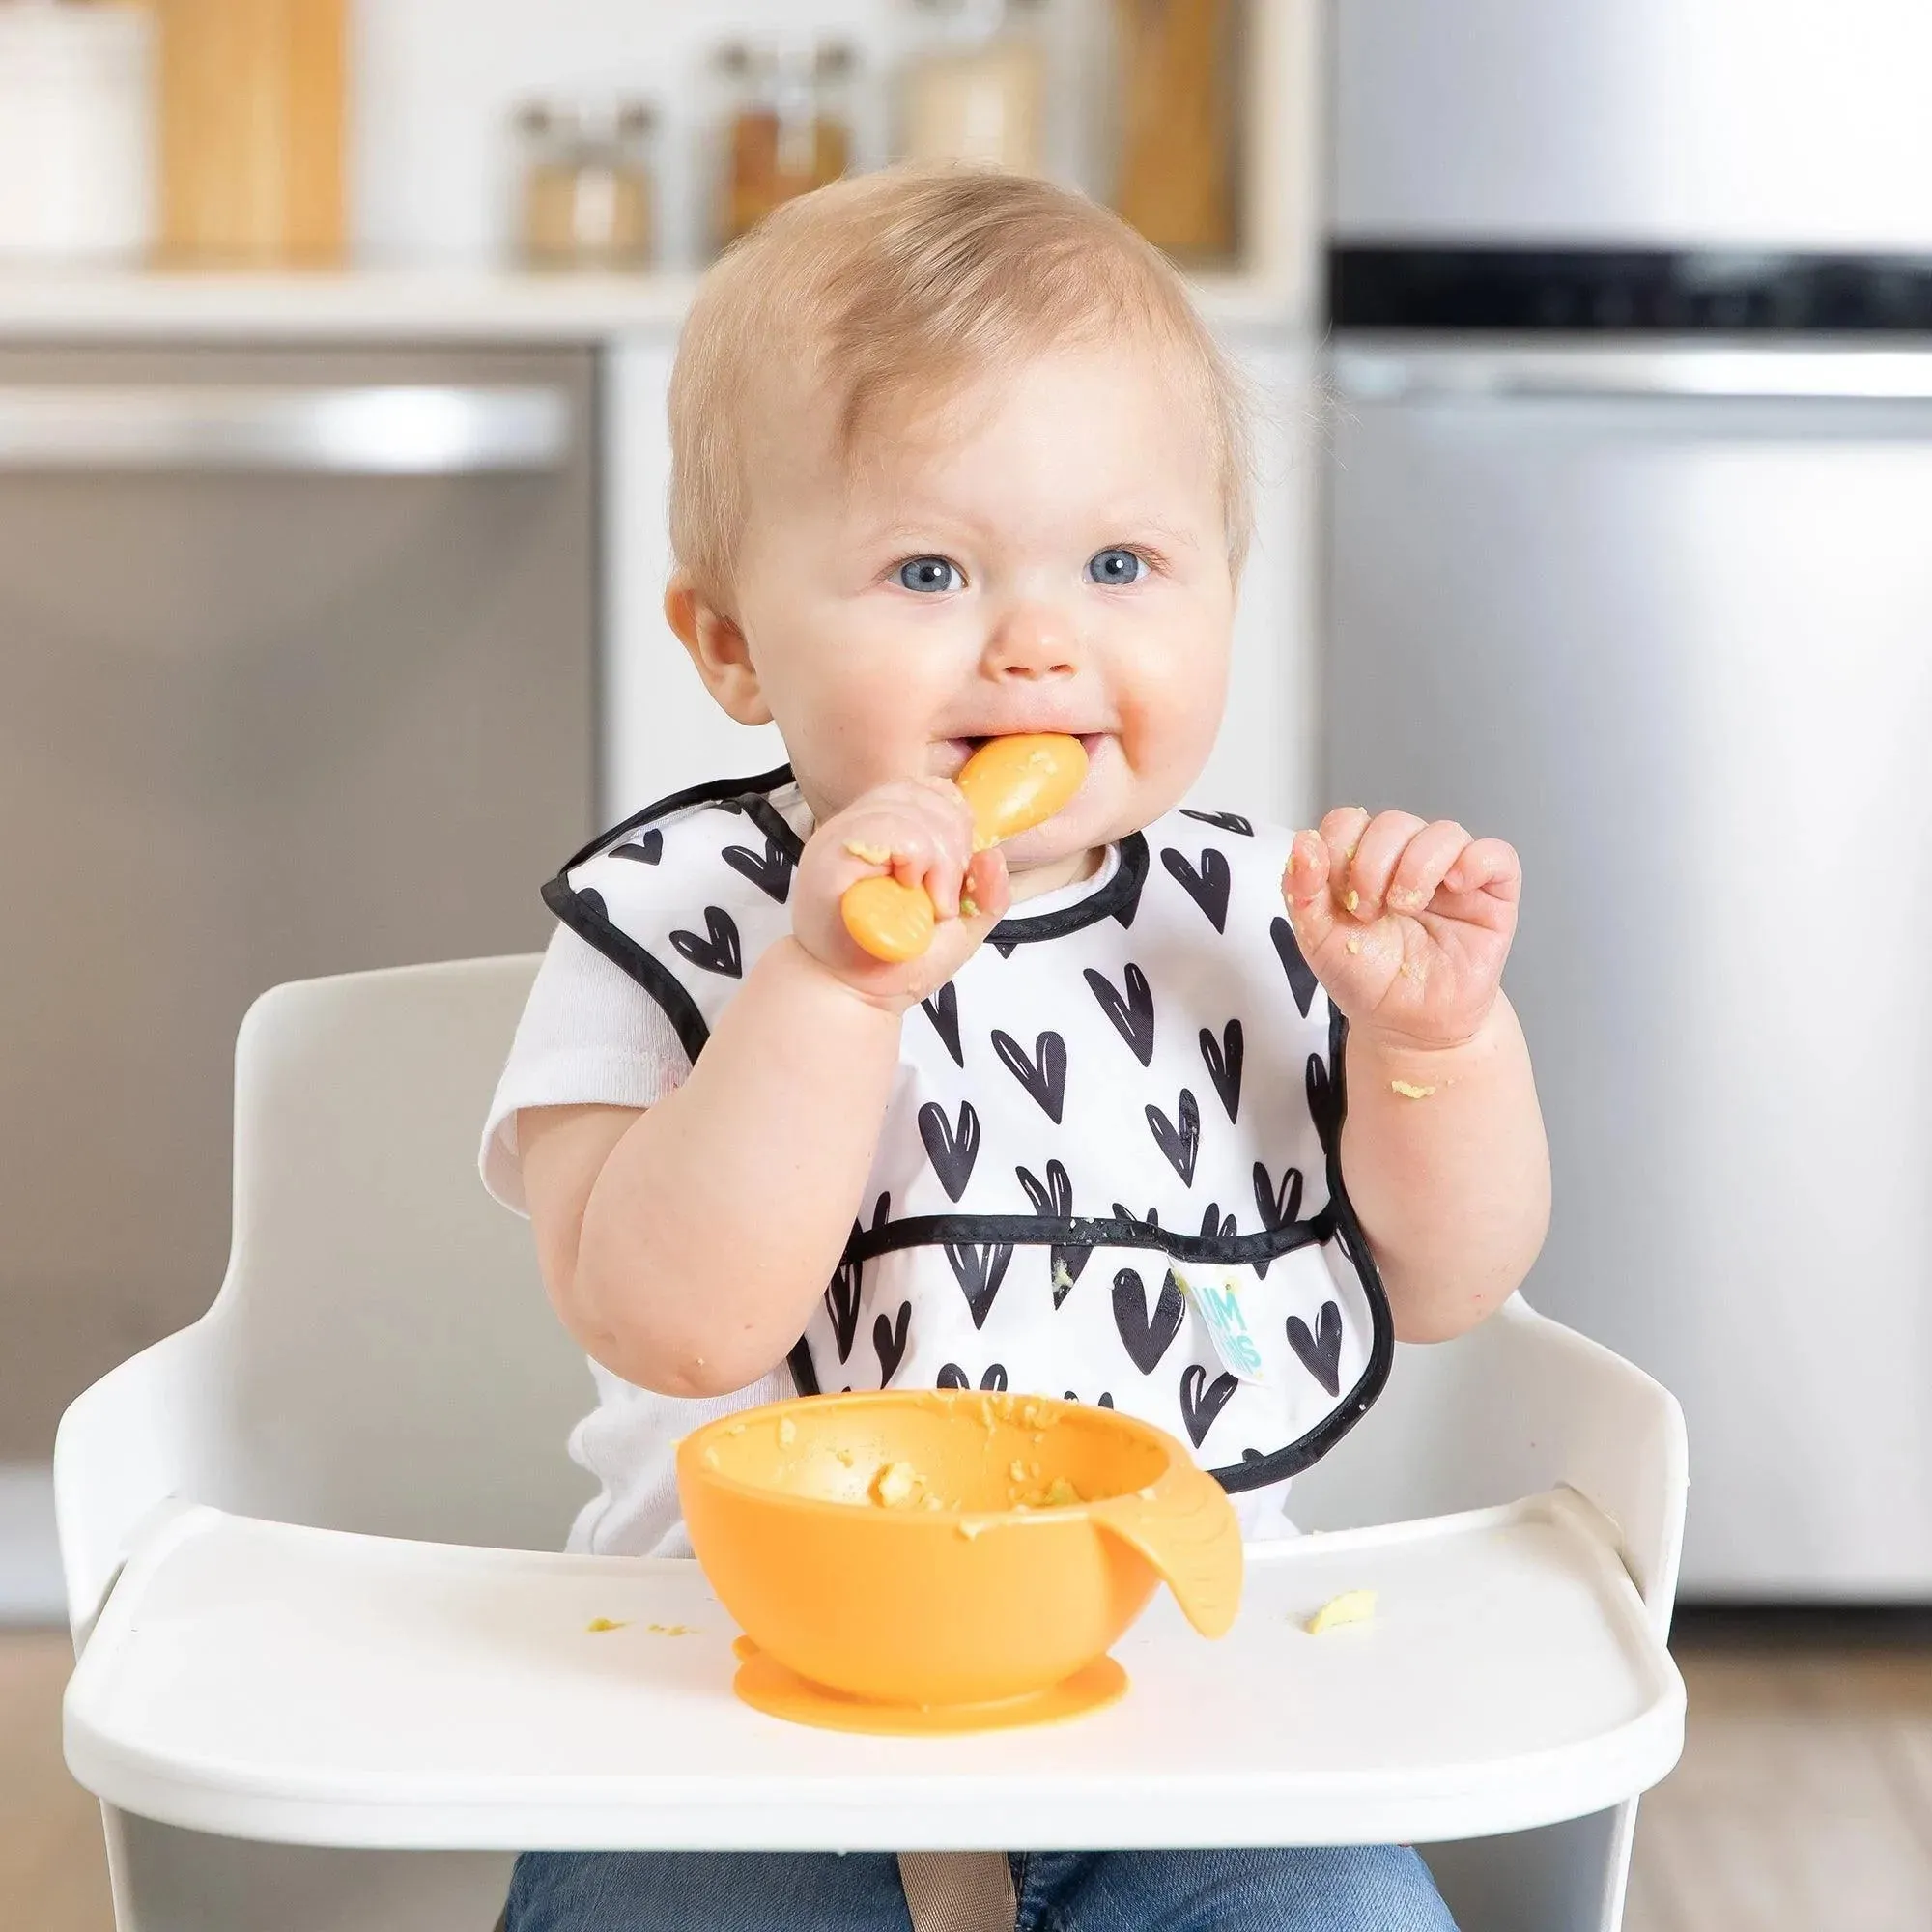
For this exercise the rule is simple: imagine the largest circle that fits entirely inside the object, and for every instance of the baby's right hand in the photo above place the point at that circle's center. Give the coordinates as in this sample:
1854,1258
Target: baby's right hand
921,832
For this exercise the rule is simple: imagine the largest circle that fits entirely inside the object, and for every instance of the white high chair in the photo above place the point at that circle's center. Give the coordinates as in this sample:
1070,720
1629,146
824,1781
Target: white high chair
303,1708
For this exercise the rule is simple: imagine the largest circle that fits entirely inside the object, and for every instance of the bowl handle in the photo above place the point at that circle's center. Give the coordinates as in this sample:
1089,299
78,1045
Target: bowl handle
1185,1526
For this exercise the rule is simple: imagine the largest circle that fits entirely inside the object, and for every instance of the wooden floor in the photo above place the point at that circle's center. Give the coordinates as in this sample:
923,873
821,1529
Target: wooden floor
1804,1802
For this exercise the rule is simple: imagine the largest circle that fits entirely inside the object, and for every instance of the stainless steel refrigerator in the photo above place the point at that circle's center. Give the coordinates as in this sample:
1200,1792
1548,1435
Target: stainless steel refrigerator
1628,560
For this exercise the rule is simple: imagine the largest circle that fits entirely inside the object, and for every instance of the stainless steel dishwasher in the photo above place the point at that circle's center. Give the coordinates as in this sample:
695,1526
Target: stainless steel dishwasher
1662,614
296,677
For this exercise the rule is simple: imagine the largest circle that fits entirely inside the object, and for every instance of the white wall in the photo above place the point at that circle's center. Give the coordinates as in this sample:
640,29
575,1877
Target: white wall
436,82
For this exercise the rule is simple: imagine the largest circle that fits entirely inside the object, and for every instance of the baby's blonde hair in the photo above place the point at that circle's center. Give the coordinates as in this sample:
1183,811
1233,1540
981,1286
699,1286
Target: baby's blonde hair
918,274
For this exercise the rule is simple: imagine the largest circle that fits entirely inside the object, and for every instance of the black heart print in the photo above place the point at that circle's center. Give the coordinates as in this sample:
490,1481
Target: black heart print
1124,912
1321,1352
954,1377
1224,1058
1146,1339
1199,1405
943,1010
1105,1402
644,851
979,1269
1053,1199
1222,821
1214,1228
1002,947
1150,1219
1208,886
1300,980
721,952
1181,1143
889,1342
769,872
1277,1208
841,1297
1324,1102
1133,1015
1277,1205
841,1304
953,1154
1044,1076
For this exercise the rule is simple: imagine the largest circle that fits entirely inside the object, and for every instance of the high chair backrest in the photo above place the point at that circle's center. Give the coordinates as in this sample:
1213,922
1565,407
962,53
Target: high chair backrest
381,1356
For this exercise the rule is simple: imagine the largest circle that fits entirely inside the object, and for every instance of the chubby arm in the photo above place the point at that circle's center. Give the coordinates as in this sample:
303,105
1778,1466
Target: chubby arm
1407,926
684,1246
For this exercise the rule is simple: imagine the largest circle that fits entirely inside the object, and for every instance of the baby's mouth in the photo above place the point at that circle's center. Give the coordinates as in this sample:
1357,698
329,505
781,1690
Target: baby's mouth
963,748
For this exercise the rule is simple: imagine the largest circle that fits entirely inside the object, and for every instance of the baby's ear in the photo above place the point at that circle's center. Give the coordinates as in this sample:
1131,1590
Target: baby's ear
717,648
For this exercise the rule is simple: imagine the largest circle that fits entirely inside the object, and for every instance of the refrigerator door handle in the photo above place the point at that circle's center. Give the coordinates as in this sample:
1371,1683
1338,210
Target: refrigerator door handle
361,430
1693,373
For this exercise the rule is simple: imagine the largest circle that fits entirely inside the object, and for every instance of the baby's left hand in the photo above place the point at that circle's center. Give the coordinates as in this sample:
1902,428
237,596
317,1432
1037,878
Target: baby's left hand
1405,924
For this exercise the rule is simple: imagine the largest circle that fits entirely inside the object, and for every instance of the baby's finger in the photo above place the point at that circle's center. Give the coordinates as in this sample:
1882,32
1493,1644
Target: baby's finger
1340,831
1486,866
1306,872
1304,886
922,837
1364,890
1424,860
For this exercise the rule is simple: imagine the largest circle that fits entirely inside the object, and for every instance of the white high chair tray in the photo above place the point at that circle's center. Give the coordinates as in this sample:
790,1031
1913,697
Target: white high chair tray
306,1686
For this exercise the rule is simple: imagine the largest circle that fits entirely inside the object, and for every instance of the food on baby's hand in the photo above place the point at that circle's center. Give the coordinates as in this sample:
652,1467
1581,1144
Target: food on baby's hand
1351,1606
871,855
1409,1091
1011,784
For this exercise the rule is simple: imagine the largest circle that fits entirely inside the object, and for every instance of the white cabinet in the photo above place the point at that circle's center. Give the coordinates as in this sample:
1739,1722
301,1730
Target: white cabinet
661,731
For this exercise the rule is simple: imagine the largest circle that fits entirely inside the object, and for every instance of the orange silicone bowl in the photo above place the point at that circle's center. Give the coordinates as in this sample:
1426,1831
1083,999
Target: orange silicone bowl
971,1599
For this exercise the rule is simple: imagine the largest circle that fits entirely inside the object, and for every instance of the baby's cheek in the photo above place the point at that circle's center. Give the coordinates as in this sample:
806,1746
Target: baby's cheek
1173,725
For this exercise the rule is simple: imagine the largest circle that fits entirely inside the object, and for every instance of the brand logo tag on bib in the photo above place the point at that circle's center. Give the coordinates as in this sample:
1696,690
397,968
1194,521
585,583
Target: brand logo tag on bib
1220,1307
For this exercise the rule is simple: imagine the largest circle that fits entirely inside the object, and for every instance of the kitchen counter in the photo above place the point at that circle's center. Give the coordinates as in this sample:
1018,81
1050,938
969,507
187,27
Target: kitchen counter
441,304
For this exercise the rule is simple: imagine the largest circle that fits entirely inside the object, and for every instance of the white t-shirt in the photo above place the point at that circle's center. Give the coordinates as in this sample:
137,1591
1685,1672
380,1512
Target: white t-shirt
591,1036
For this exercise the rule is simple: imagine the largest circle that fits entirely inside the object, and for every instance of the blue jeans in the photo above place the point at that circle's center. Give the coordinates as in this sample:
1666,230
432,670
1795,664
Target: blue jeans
1359,1888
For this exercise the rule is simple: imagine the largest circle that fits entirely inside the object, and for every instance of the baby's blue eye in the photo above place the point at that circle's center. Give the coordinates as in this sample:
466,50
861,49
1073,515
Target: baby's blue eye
1116,566
930,572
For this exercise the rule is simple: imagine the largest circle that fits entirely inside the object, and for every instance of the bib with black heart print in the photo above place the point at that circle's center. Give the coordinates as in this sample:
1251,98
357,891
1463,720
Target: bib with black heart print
1110,1167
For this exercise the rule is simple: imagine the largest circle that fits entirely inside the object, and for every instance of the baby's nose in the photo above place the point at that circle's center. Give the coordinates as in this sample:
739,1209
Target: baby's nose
1033,641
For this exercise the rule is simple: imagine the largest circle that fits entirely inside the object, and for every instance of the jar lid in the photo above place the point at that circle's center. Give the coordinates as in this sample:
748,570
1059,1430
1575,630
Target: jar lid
627,118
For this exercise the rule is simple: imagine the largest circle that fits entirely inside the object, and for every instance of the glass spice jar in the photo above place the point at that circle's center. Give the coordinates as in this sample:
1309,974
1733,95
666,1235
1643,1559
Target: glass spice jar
788,129
586,186
976,94
1179,124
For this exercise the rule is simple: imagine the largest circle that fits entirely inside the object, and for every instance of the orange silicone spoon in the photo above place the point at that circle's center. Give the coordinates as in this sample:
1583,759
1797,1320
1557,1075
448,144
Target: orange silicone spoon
1011,784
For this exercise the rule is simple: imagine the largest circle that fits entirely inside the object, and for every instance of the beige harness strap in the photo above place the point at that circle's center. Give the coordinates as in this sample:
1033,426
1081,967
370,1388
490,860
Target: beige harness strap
958,1891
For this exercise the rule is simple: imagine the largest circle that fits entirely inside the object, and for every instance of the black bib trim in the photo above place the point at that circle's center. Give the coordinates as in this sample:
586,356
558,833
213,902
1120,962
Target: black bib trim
1308,1449
1040,1230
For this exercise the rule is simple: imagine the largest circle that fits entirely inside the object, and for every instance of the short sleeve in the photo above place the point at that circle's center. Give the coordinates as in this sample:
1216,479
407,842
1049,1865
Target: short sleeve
589,1035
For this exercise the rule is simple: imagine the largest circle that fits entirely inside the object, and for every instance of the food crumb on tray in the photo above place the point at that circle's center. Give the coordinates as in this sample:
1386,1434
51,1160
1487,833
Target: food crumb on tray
1351,1606
605,1624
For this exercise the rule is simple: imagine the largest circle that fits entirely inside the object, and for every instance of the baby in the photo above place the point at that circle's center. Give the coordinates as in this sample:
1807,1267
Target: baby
954,458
